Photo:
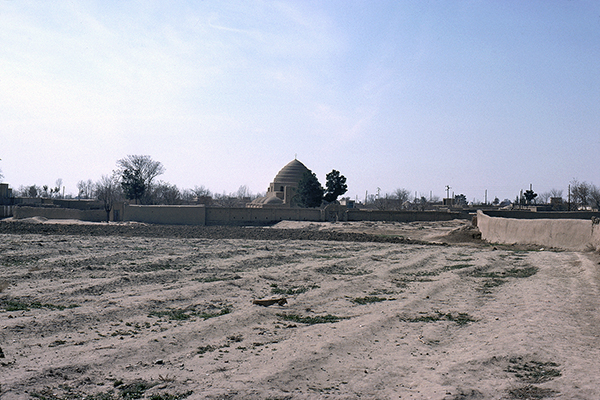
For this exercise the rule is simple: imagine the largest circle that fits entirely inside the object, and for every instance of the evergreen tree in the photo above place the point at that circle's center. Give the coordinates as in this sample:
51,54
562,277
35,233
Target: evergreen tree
530,195
310,191
336,186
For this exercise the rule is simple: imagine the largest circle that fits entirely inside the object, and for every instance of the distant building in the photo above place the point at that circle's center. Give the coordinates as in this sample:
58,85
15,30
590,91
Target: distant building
284,187
6,194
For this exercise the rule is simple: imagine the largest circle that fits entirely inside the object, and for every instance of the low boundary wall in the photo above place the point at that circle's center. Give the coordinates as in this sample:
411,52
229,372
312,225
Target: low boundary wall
202,215
168,215
404,216
259,216
6,211
524,214
569,234
59,213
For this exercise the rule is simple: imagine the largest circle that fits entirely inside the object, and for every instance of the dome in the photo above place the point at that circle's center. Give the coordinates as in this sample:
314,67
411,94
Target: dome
271,200
291,173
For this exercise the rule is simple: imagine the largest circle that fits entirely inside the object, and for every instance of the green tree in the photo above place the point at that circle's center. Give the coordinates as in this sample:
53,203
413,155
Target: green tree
133,185
529,195
460,200
310,191
137,174
336,186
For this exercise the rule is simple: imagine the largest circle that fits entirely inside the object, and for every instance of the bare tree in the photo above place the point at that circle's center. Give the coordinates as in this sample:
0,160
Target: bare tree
243,192
57,189
201,191
85,189
544,197
556,192
580,192
108,191
226,200
400,196
199,195
164,193
595,196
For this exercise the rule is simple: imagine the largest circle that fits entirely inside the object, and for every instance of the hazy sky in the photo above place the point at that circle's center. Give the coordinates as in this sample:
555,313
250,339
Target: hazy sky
477,95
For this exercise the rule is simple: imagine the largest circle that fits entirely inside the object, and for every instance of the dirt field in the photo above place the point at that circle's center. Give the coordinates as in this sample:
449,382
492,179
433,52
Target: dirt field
374,311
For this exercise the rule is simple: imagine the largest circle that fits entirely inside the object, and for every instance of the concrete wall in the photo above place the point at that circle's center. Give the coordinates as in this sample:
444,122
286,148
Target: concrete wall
168,215
569,234
59,213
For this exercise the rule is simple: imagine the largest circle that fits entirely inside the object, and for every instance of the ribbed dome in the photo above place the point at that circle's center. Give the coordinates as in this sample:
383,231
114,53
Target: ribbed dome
291,173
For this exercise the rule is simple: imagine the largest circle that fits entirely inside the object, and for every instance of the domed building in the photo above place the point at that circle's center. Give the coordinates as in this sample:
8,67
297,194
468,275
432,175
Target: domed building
284,187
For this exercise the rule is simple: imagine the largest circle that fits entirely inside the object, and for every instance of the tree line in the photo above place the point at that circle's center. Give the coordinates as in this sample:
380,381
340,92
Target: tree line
135,179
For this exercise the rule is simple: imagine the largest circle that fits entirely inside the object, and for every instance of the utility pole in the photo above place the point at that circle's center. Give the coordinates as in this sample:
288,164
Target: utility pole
448,191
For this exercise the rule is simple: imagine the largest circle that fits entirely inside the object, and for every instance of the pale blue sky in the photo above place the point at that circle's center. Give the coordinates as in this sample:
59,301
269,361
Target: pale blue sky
394,94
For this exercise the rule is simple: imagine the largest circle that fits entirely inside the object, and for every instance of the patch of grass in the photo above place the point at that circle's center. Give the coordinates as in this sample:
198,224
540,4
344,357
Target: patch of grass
57,343
14,305
101,396
167,396
235,338
531,392
293,290
368,300
134,390
336,269
183,315
120,332
492,283
218,278
70,394
176,315
459,318
328,256
524,272
206,349
457,266
533,371
317,319
404,281
381,291
205,315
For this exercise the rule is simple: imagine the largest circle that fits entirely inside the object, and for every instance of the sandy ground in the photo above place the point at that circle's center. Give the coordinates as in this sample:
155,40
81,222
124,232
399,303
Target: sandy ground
110,317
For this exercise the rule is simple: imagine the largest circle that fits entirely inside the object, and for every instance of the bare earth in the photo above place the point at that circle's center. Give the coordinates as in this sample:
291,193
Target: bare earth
116,316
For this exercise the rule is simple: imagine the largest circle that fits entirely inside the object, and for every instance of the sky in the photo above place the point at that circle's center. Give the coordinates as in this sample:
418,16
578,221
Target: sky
482,96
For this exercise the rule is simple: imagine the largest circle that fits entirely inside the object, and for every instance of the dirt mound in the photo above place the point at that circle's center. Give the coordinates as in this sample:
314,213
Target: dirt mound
464,234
